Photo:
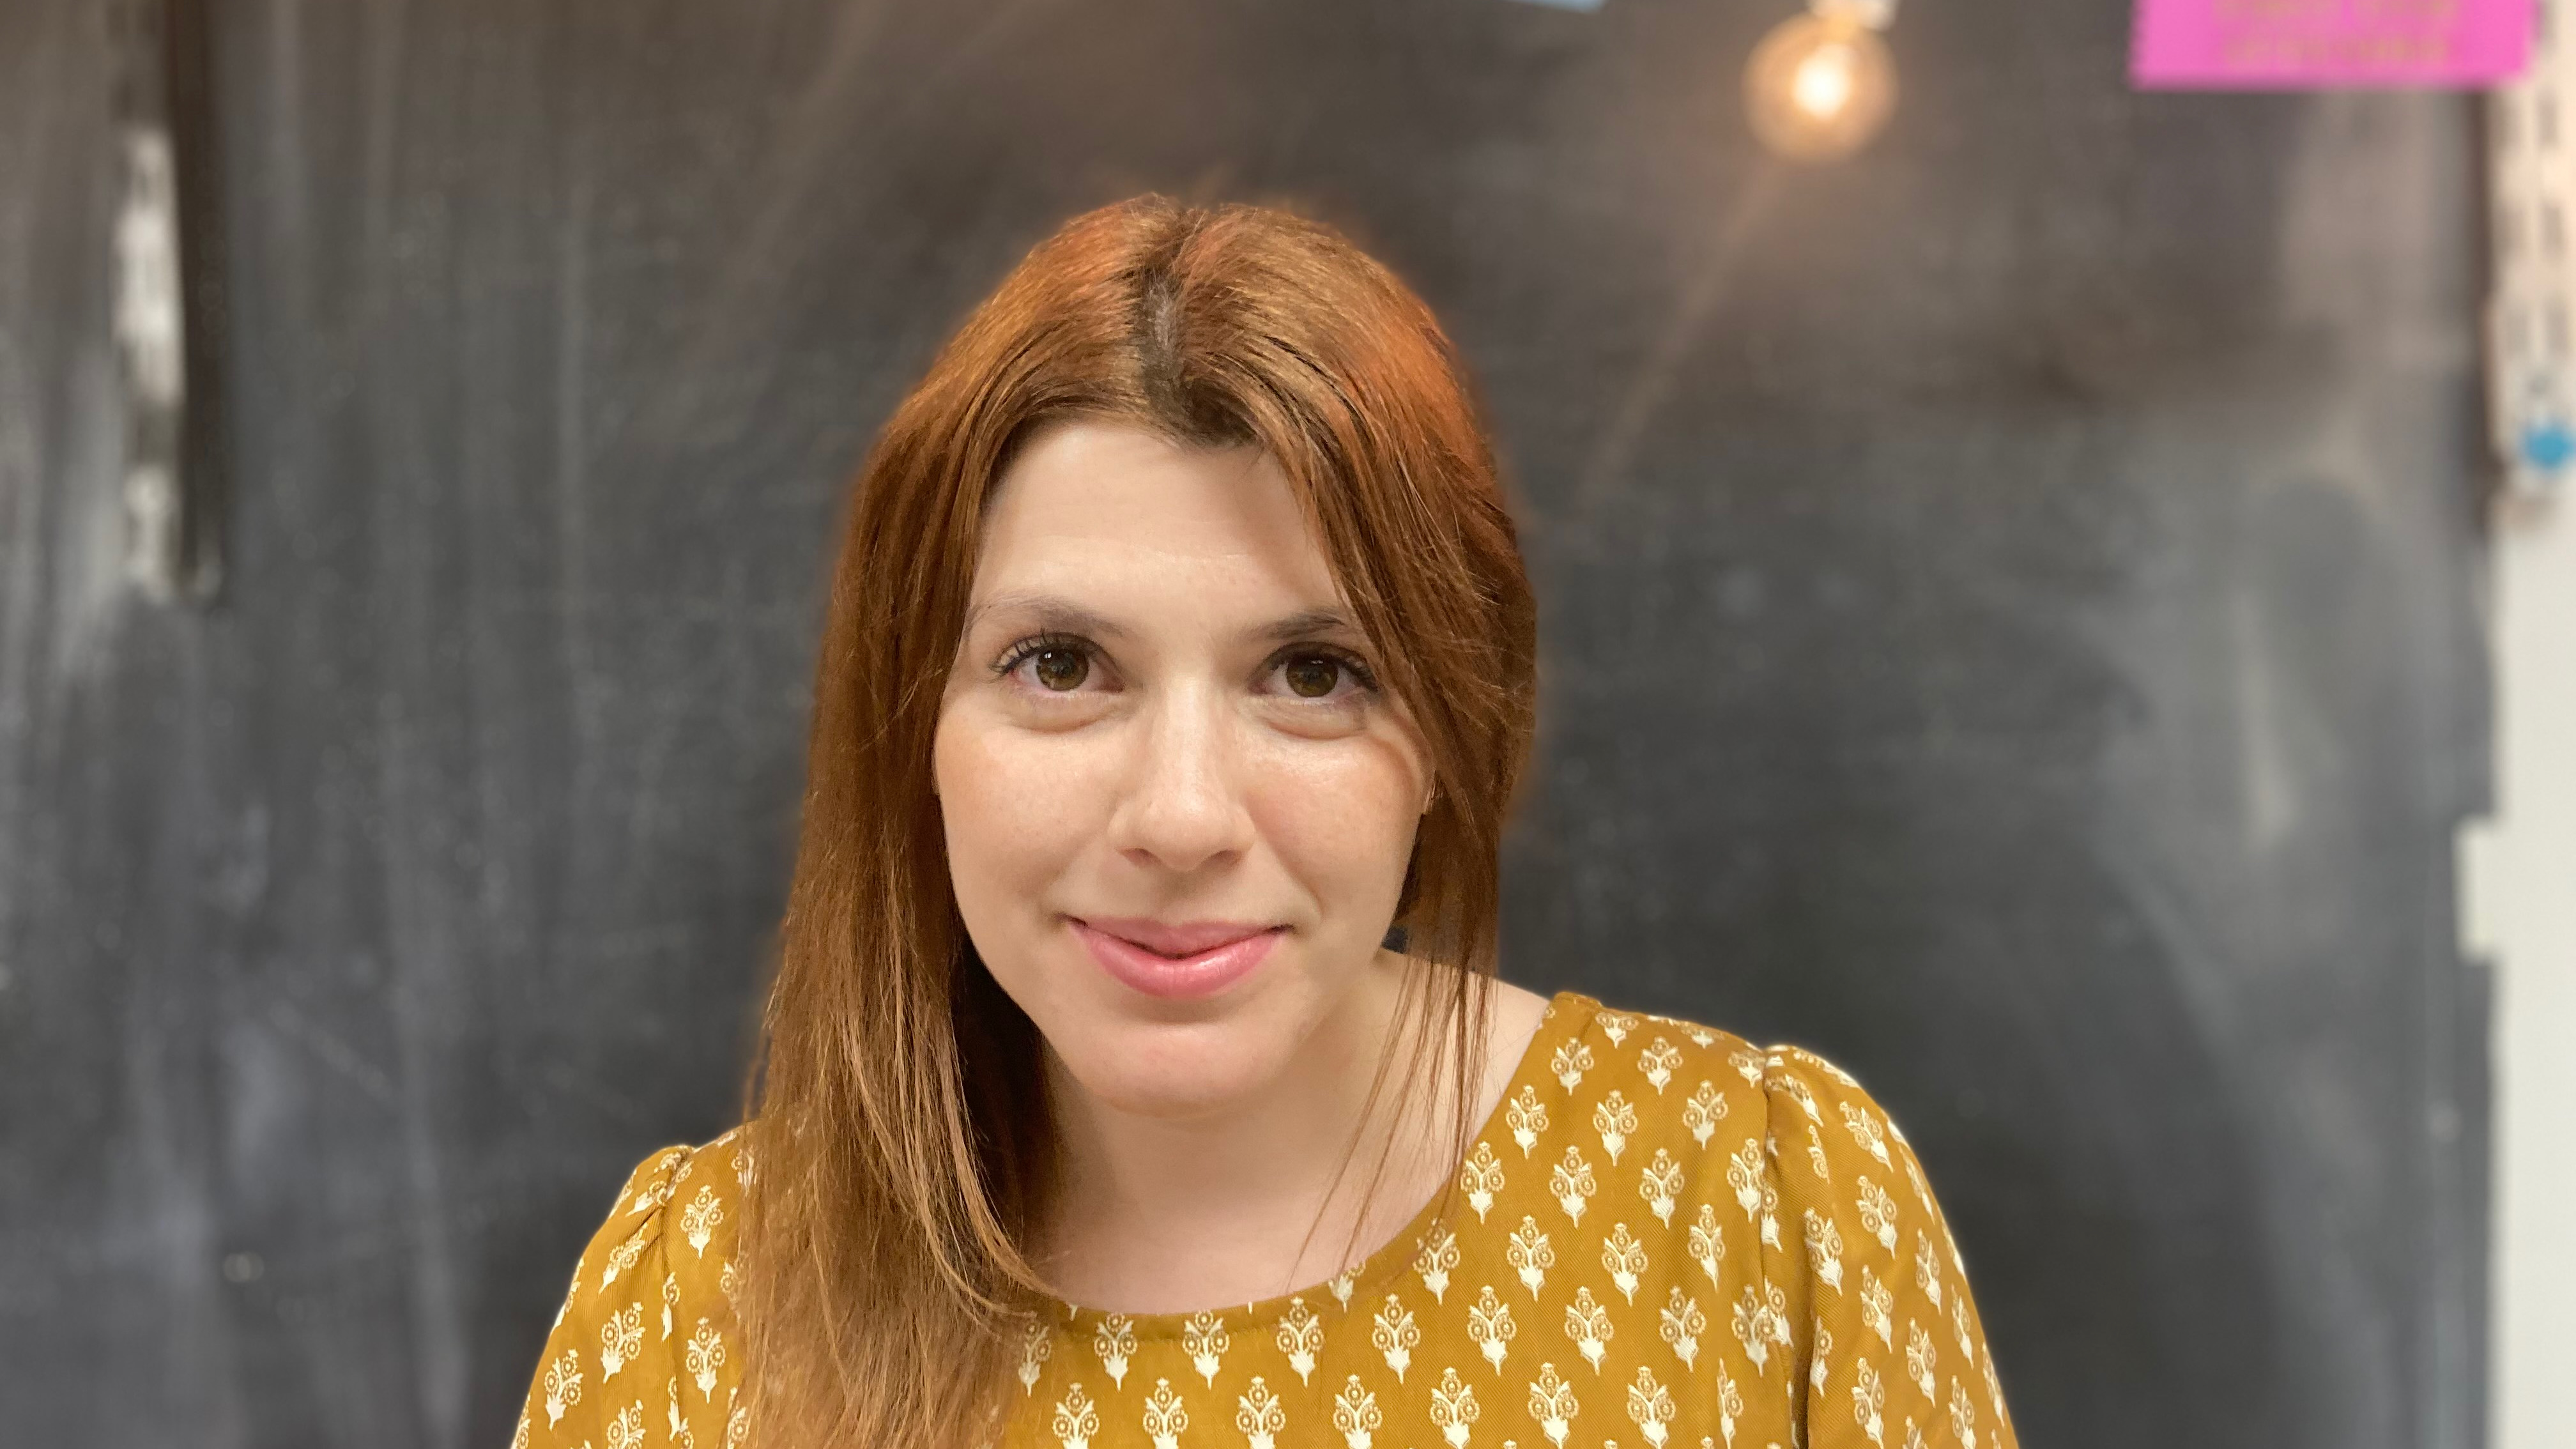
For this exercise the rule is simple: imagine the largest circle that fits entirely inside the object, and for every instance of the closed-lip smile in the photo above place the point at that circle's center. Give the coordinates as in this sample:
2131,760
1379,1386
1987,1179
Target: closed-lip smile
1175,959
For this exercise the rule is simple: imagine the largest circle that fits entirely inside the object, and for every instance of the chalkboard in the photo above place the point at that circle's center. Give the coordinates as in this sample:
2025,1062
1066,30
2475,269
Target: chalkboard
2008,614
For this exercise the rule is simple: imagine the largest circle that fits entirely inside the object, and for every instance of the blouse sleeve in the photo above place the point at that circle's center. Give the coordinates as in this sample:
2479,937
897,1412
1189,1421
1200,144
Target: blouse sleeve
1896,1355
633,1343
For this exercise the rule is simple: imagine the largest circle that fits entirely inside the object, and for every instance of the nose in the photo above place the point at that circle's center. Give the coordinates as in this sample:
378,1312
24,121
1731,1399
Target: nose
1183,808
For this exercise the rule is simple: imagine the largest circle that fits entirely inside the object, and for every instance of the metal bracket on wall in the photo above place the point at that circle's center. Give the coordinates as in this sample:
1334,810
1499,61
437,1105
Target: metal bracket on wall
164,321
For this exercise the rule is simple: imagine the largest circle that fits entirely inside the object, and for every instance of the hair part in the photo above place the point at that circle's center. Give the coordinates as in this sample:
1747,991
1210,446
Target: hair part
896,1108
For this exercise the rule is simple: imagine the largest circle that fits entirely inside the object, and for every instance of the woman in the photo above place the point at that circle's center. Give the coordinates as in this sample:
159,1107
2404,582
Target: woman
1180,647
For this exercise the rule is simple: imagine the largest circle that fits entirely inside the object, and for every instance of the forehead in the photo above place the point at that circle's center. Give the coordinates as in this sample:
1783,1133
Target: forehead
1111,509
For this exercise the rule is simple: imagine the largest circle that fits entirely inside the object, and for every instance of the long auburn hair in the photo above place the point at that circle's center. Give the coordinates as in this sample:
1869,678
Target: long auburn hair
897,1113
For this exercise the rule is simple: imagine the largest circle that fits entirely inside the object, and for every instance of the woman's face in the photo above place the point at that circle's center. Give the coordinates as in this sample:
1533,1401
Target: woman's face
1163,738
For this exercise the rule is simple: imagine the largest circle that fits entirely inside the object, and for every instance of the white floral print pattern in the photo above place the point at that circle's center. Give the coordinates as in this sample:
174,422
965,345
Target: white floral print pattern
1631,1253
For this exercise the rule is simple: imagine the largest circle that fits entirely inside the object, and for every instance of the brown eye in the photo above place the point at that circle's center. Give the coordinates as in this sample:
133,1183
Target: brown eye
1313,675
1062,669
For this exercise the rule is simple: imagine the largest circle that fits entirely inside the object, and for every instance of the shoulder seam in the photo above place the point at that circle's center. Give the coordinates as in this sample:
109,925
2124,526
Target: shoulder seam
650,1185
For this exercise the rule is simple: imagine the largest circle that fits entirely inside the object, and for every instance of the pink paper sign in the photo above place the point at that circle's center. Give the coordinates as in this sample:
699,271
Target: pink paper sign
2320,44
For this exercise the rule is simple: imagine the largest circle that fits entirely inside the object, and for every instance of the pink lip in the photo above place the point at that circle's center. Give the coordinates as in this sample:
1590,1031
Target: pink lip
1219,953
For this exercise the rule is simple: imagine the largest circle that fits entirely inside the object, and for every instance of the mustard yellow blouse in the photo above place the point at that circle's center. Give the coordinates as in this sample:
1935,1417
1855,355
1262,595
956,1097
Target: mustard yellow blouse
1668,1238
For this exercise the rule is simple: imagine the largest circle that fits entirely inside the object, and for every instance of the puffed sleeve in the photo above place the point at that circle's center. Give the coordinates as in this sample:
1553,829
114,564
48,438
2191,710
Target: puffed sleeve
641,1337
1895,1354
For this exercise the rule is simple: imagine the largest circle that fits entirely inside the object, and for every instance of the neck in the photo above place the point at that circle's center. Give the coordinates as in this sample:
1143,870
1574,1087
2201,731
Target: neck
1161,1215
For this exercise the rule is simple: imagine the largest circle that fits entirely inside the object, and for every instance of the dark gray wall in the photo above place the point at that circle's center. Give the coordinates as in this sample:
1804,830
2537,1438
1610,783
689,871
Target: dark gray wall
2009,625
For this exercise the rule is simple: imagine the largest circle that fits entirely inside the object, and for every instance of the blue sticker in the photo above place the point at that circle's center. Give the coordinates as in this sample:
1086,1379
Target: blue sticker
2548,446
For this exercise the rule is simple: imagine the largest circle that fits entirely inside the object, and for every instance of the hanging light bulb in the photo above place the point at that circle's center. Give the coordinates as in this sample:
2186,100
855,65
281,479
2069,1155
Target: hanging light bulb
1820,85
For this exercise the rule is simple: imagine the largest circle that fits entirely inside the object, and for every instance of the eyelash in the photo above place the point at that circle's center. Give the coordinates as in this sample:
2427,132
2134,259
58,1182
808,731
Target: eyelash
1037,644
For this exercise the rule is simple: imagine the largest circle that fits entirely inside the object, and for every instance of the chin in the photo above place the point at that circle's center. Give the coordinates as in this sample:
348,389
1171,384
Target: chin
1167,1068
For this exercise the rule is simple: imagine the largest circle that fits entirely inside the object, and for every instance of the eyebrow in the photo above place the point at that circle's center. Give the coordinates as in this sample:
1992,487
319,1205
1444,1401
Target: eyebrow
1307,623
1058,614
1051,613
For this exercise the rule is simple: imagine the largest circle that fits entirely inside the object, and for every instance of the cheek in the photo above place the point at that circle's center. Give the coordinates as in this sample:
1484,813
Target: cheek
1343,821
1017,810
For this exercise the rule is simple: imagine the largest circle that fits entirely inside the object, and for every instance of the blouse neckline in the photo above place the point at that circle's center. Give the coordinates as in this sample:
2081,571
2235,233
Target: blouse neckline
1568,1014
